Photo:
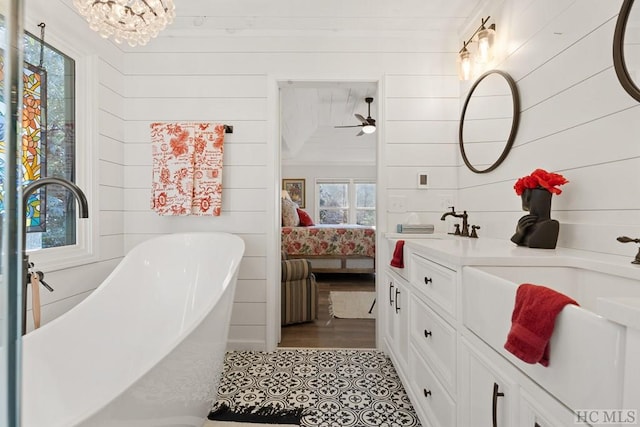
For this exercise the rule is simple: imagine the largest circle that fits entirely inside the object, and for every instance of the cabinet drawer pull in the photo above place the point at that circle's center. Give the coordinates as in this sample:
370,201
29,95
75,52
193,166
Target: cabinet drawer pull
426,392
397,306
427,334
390,293
427,280
496,395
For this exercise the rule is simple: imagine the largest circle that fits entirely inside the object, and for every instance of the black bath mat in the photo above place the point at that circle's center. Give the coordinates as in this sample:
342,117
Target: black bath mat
252,414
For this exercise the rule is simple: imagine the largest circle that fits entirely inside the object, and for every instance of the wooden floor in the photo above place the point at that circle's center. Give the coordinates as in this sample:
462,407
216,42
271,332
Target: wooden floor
334,333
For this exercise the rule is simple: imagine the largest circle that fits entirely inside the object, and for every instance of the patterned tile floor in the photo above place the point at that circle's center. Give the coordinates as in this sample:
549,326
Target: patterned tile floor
335,387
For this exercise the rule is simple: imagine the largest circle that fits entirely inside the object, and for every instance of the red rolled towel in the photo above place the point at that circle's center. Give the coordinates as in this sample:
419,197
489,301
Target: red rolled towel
398,258
532,322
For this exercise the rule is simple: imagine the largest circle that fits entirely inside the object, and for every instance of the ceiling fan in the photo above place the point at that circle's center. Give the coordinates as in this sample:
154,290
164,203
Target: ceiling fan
368,125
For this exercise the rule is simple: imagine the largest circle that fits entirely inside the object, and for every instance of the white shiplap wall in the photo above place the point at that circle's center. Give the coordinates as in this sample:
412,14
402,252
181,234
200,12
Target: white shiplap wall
421,132
225,78
103,62
576,120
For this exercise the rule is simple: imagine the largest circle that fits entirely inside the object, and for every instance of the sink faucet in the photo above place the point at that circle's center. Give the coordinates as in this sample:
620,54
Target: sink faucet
463,215
83,208
625,239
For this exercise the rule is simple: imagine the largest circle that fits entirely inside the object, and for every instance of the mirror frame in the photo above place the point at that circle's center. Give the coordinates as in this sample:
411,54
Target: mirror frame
514,122
619,63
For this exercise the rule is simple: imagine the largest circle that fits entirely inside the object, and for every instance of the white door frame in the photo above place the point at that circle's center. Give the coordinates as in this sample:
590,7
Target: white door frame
273,215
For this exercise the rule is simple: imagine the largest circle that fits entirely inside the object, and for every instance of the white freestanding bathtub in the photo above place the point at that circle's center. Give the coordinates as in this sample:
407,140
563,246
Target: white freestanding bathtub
146,348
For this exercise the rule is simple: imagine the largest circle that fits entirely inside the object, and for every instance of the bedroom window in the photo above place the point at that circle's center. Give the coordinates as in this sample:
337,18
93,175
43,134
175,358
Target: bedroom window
346,201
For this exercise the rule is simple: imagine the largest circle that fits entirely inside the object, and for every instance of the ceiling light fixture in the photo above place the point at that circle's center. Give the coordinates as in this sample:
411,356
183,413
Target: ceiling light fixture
133,21
368,125
485,37
369,128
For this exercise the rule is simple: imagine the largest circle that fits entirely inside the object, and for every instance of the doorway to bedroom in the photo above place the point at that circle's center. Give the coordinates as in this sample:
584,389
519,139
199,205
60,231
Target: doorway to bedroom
328,170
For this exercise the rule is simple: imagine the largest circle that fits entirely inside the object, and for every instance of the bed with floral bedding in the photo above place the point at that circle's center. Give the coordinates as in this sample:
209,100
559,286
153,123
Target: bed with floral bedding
339,248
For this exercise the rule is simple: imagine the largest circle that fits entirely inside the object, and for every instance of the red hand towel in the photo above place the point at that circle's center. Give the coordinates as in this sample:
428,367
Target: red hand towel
532,322
398,258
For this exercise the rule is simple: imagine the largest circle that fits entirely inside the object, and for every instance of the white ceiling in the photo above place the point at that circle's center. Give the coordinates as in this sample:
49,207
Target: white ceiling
309,114
310,111
252,17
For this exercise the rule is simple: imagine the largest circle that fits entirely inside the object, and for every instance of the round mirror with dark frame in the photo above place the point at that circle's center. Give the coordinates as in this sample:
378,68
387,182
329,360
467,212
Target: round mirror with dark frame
626,48
489,121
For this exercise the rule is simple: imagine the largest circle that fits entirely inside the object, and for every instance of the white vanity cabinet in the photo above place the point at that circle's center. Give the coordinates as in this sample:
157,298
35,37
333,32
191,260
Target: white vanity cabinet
494,393
441,332
432,340
397,318
488,394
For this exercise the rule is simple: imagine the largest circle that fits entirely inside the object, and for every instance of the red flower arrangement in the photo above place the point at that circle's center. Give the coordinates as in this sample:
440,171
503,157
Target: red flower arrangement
540,178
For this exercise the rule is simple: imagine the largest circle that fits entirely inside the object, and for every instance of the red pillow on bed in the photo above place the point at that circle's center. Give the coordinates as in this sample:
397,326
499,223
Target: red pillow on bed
305,219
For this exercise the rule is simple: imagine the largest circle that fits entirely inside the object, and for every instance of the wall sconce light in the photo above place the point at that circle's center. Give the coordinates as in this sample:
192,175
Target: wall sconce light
485,42
464,63
484,37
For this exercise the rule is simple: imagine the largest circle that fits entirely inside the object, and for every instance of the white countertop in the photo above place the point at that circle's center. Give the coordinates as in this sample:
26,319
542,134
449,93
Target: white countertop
461,251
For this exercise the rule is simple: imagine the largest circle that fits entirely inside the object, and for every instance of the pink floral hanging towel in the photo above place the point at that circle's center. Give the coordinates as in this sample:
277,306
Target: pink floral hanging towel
207,176
172,156
187,168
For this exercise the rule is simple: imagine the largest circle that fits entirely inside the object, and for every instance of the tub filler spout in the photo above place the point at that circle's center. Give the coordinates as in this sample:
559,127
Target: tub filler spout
83,211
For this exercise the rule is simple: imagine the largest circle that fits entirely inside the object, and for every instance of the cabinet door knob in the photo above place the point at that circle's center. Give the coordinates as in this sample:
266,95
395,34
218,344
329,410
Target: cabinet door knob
397,306
427,280
427,334
496,395
426,392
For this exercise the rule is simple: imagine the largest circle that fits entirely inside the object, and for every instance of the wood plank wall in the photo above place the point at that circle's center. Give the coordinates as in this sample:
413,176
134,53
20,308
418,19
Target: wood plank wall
225,79
103,62
576,119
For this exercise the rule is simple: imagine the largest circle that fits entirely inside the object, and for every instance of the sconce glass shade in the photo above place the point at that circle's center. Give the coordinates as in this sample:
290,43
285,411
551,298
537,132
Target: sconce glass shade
136,21
368,129
464,64
486,37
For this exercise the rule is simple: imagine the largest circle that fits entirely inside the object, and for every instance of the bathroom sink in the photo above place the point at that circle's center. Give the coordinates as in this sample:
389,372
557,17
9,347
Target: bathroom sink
586,350
584,286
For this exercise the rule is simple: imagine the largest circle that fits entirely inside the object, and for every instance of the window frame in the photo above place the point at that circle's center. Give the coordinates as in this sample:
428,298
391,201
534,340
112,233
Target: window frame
84,251
352,208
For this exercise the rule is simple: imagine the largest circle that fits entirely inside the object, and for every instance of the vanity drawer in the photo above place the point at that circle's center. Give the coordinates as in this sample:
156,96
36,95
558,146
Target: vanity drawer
435,339
435,282
431,398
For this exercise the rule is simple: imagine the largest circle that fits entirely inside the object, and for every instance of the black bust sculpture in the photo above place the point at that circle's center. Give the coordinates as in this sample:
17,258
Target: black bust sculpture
537,229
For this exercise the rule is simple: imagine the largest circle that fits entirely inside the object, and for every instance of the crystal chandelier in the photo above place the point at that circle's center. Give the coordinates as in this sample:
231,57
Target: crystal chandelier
136,21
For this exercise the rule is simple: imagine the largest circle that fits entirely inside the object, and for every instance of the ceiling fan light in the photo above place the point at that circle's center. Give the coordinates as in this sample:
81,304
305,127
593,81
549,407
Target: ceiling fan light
368,129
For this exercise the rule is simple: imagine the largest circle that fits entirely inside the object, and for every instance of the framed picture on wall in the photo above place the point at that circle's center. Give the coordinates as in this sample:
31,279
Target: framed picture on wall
295,188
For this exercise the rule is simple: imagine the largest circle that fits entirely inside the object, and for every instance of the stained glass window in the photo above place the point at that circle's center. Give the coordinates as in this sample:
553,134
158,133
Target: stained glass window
48,146
33,141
